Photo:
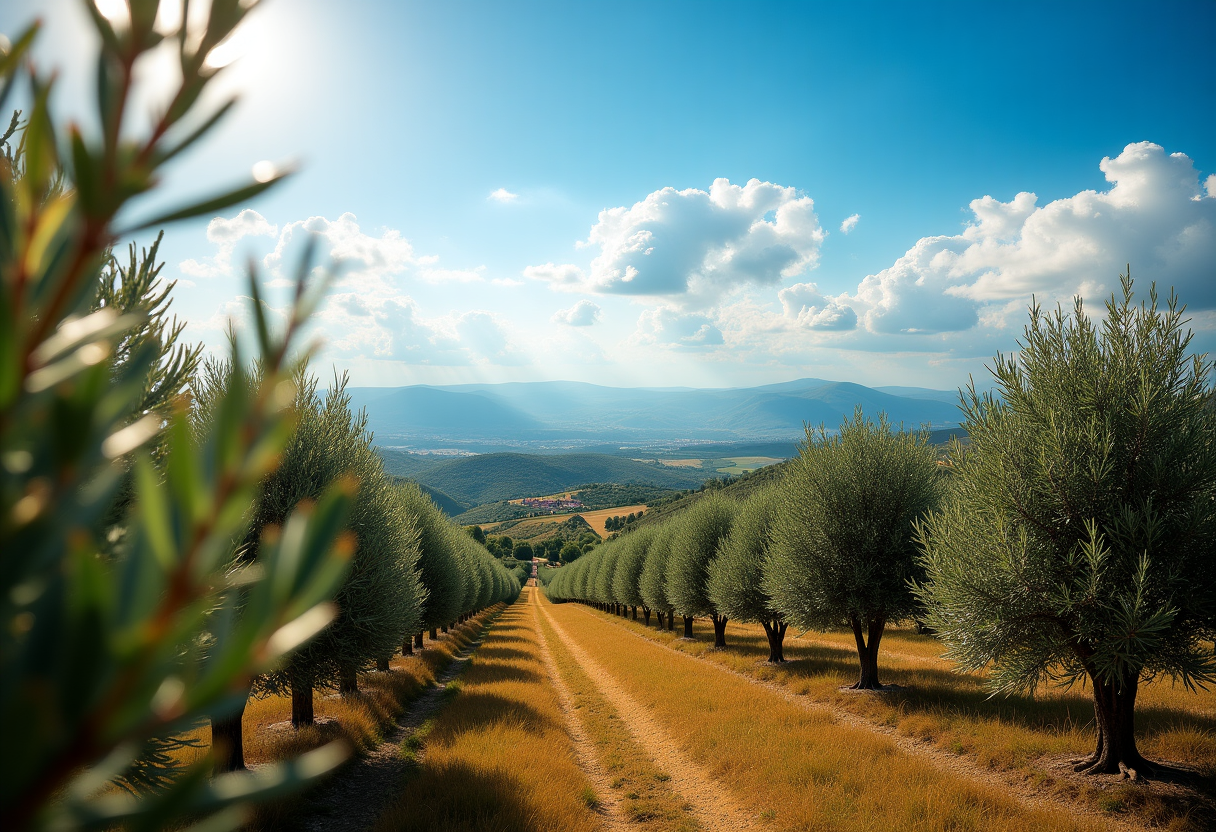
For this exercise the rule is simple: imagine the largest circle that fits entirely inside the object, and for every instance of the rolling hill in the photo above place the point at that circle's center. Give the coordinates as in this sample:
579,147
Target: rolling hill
488,478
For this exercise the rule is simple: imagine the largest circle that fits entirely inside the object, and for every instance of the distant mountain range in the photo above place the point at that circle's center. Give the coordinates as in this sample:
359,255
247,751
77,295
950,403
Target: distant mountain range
562,414
470,481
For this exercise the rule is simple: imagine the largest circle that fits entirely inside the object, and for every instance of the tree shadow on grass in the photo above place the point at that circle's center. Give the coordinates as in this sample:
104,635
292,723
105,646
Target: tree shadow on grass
493,652
475,710
502,672
455,797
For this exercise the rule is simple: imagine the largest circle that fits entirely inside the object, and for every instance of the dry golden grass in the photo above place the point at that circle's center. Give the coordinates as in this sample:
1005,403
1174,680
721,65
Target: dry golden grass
1025,736
498,757
645,795
799,769
596,519
359,719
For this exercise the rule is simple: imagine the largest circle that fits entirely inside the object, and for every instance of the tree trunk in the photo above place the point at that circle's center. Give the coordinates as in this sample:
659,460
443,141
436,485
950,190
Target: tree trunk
687,626
867,651
775,630
445,628
382,665
228,741
671,621
348,679
418,640
434,634
635,612
719,629
646,615
660,615
301,697
407,646
1115,721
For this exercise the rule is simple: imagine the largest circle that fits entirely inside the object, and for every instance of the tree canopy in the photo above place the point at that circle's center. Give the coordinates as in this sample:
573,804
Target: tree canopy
1077,540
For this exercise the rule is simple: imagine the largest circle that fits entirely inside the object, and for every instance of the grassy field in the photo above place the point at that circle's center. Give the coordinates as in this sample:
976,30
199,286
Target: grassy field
1026,739
793,767
498,756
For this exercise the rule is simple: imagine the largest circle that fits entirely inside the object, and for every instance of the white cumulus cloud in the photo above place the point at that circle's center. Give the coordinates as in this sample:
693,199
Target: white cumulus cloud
803,303
583,313
1154,216
502,195
850,222
672,328
695,246
225,234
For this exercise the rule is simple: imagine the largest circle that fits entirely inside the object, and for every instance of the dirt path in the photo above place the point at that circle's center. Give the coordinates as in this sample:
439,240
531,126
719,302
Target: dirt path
709,801
584,748
923,749
355,797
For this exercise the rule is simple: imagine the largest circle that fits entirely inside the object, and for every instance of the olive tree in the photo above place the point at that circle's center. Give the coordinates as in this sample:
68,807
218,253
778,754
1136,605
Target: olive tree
735,575
653,583
843,549
695,541
438,564
1077,543
626,582
602,590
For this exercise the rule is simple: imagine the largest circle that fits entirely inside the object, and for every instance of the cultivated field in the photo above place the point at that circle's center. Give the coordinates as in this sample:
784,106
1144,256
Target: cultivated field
596,519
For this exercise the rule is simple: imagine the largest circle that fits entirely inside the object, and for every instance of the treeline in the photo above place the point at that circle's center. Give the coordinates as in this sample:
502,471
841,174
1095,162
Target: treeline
616,523
1069,540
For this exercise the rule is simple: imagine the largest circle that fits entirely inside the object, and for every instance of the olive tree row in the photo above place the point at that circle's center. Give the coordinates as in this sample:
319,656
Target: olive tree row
829,544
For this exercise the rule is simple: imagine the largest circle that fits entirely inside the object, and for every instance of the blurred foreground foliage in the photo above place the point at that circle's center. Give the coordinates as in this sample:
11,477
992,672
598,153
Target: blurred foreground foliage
119,637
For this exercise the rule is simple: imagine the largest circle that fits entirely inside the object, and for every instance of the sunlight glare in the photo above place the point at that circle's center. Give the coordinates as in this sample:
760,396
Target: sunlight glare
115,11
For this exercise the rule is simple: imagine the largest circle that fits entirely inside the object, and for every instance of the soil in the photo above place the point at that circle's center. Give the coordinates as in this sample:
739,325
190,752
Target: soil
707,799
355,797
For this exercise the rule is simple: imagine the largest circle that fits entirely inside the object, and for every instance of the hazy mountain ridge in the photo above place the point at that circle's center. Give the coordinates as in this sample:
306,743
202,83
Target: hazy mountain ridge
549,413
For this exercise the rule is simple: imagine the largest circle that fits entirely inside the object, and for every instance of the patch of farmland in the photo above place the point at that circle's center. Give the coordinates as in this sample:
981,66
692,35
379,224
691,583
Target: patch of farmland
597,519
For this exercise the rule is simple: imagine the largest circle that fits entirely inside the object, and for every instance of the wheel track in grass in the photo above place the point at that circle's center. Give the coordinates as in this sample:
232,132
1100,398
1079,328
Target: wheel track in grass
708,800
584,748
942,760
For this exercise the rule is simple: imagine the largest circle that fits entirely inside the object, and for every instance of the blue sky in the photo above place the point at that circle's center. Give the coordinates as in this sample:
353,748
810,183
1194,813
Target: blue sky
610,254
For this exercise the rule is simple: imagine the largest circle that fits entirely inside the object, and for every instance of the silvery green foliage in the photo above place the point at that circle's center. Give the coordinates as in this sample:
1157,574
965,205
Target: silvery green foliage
653,584
608,555
382,598
843,544
696,536
438,561
626,581
1078,537
735,574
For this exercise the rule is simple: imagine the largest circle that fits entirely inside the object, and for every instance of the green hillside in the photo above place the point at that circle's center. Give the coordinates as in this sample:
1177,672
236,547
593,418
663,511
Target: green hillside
488,478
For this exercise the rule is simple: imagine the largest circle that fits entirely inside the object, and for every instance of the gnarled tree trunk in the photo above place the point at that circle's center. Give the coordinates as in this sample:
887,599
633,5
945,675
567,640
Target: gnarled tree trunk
382,665
434,634
407,646
301,696
635,612
687,626
1115,720
867,651
775,630
671,622
646,615
348,679
719,629
228,740
418,640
